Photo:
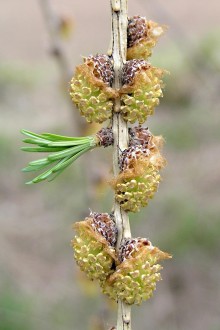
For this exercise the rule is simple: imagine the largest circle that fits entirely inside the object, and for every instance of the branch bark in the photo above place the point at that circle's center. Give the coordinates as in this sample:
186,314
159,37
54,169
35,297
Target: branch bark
120,132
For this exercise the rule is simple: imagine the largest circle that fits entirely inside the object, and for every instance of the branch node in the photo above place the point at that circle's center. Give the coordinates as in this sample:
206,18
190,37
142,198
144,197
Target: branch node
116,6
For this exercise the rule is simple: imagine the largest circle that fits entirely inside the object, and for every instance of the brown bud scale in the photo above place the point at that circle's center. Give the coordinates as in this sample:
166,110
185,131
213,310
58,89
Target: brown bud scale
131,245
142,37
131,68
104,224
102,67
140,136
105,136
128,156
137,29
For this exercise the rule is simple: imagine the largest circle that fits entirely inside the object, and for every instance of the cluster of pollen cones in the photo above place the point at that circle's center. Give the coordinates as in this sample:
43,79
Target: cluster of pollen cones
129,273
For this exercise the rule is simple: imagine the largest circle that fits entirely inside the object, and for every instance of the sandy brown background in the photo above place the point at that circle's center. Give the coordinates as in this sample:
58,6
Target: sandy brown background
40,286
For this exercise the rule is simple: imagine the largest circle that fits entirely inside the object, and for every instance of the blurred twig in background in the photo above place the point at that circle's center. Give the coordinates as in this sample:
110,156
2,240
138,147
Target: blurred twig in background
54,25
58,27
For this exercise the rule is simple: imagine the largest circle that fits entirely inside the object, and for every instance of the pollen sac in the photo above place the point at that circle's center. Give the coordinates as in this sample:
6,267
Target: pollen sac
90,88
135,278
142,37
139,178
141,90
94,245
105,137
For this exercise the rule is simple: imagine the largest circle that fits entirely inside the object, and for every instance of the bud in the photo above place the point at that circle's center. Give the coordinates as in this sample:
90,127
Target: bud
142,88
136,276
94,245
90,88
142,37
139,177
105,137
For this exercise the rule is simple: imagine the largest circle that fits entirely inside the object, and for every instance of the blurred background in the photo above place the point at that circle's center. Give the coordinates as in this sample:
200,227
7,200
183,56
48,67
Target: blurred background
40,286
